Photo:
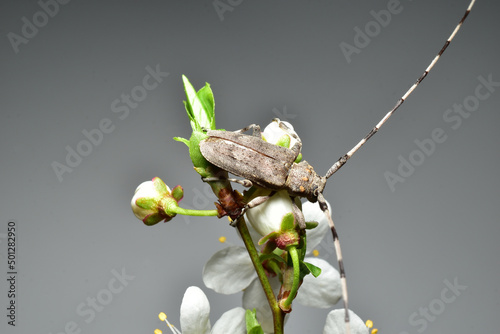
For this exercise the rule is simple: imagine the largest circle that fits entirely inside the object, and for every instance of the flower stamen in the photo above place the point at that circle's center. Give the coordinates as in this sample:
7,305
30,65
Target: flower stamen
369,324
163,317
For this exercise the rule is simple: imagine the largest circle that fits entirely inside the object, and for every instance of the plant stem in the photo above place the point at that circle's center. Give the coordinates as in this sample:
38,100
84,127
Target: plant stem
292,251
192,212
278,314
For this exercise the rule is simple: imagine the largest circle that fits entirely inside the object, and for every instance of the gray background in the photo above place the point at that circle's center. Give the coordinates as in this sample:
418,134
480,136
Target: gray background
399,246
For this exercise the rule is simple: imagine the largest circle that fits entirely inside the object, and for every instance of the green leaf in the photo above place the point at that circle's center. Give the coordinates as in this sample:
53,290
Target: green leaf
199,106
253,326
206,98
315,271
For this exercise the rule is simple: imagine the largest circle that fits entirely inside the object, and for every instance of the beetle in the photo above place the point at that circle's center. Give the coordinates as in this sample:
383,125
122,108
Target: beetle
273,167
264,164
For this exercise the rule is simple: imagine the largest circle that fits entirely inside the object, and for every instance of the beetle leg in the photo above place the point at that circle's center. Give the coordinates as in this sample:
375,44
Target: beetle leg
299,216
244,183
252,204
324,208
256,132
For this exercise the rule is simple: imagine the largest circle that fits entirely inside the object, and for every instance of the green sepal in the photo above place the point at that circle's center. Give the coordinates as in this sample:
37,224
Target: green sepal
182,140
155,218
272,235
299,158
253,326
160,186
147,203
178,193
311,225
288,222
284,141
271,256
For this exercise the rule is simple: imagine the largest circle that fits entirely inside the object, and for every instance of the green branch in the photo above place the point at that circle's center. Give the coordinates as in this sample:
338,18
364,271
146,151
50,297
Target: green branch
278,314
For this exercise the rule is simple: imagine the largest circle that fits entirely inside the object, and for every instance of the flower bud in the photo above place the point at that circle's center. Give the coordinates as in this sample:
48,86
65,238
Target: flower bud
275,135
266,217
153,201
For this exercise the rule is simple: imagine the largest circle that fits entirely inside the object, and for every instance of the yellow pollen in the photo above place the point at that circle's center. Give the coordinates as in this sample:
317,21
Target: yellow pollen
222,239
315,252
369,323
302,189
305,178
162,316
157,331
374,331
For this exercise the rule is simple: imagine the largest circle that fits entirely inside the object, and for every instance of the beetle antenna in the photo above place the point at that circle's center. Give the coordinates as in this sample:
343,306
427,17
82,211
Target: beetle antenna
349,154
336,242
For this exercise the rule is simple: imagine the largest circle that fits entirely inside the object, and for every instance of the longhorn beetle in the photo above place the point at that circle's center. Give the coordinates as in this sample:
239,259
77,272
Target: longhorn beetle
273,167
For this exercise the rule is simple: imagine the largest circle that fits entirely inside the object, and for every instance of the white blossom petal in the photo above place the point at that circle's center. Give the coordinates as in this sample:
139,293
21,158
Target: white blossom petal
228,271
312,212
195,311
267,217
272,133
335,323
145,189
255,298
323,291
232,321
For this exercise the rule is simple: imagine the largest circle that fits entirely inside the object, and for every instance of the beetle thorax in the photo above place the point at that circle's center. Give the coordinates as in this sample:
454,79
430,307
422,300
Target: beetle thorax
303,181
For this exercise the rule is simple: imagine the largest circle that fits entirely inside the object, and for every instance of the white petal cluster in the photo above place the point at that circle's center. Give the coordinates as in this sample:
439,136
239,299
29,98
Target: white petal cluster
273,133
195,316
230,270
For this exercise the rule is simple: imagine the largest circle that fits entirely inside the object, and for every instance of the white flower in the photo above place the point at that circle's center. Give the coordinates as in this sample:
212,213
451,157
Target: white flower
275,135
266,217
335,323
230,270
195,311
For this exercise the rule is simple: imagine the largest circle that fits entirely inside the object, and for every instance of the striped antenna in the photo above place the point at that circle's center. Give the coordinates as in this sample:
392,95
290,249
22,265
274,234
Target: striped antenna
349,154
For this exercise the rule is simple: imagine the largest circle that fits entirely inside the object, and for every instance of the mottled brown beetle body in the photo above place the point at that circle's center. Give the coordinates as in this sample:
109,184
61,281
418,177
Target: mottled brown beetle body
264,164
